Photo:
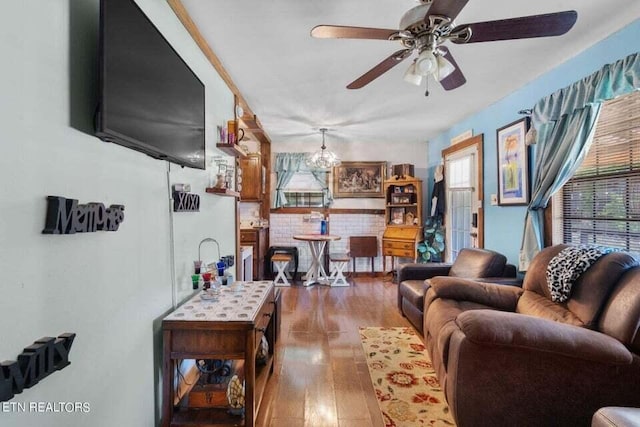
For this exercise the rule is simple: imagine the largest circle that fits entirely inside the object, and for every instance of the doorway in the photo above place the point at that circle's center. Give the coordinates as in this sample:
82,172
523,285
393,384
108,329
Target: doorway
464,219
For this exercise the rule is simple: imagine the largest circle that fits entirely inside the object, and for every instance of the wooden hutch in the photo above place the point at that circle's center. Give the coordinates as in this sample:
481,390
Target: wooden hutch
403,218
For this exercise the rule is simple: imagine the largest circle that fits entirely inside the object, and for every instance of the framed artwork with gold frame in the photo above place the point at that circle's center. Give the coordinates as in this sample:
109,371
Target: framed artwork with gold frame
358,179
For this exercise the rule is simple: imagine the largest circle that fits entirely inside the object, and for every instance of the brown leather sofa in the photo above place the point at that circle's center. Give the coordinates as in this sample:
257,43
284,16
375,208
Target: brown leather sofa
510,356
413,279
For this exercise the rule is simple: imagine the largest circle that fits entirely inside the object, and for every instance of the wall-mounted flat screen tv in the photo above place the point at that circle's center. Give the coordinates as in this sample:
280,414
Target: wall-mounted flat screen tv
149,98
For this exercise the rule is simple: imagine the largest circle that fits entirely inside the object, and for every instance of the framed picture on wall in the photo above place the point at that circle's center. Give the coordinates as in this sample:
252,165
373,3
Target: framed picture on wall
358,179
513,164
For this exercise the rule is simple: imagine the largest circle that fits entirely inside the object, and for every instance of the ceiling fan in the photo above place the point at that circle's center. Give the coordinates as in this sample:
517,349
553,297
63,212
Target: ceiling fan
424,29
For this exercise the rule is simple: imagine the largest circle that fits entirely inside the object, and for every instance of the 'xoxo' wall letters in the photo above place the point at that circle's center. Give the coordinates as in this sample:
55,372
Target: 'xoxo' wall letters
66,216
185,202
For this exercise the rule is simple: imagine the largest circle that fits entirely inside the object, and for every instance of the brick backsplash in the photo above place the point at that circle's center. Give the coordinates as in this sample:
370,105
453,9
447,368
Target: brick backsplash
282,228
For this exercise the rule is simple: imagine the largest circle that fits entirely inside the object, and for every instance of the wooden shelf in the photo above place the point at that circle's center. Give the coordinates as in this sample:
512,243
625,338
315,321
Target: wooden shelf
262,376
231,149
250,123
205,417
222,192
401,240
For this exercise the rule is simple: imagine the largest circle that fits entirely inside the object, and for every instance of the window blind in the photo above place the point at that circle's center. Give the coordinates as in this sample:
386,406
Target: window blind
601,202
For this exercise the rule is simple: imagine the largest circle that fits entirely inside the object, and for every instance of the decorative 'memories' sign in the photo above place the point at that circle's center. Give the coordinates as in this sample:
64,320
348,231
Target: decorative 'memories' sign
66,216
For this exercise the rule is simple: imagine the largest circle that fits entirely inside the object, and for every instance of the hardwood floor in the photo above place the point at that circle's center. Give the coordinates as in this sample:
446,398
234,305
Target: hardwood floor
320,376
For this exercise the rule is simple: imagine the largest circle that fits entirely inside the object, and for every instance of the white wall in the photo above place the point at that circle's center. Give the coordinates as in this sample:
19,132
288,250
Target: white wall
111,288
345,225
363,151
284,226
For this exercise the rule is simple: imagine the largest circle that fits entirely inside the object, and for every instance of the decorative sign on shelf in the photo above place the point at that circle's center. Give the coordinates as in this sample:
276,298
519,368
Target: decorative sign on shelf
66,216
36,362
185,202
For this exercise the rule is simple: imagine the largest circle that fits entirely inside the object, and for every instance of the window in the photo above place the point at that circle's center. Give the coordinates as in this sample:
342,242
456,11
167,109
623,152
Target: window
304,190
308,199
600,204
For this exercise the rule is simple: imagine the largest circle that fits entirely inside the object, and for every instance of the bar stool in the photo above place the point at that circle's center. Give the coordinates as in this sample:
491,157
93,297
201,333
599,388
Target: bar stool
281,261
339,263
290,250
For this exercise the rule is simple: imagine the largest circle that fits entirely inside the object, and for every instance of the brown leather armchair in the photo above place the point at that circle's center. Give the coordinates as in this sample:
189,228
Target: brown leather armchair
413,279
515,357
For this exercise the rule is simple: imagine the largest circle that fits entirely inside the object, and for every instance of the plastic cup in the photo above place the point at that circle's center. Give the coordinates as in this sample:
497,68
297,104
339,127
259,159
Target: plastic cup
195,279
220,265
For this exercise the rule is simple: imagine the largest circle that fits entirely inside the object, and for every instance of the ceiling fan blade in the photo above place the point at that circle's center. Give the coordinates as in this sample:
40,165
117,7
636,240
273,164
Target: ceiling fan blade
550,24
393,60
449,8
455,79
340,32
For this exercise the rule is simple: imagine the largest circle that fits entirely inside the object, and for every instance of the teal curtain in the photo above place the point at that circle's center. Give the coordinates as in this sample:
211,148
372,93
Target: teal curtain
564,124
321,177
287,164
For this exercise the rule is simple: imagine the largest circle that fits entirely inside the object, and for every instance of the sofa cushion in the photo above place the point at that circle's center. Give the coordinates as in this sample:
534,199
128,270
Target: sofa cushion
499,328
486,293
589,293
414,315
478,263
440,323
620,316
593,288
535,279
537,305
413,291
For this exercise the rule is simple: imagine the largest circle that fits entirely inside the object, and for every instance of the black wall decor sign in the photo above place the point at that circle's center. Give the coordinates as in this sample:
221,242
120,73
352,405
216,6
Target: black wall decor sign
37,361
185,202
66,216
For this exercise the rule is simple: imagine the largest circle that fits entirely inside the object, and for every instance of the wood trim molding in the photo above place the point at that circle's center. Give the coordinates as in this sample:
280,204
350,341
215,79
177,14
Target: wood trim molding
192,29
327,211
357,211
294,211
548,224
477,141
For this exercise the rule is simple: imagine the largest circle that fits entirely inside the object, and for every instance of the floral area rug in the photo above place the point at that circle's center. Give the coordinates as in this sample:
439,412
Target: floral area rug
403,378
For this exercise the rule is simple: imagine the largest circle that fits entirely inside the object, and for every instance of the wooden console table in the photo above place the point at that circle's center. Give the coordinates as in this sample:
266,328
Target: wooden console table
230,328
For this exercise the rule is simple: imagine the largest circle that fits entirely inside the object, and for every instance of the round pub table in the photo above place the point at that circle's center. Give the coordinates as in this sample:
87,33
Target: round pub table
317,244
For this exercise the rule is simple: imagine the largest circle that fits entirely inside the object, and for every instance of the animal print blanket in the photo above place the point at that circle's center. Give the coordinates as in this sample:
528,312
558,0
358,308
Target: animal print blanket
566,267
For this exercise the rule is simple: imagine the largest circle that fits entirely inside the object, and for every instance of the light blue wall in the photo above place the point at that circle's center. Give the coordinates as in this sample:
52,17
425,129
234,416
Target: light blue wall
503,225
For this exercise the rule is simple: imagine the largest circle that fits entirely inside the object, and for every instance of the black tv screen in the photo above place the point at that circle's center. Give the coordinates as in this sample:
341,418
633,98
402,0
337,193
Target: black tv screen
149,99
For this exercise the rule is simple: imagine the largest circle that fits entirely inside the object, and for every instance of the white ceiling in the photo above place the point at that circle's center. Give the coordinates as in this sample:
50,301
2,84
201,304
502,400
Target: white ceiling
295,84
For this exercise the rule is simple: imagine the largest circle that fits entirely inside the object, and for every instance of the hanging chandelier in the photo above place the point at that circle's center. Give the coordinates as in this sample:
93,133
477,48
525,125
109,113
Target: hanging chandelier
323,158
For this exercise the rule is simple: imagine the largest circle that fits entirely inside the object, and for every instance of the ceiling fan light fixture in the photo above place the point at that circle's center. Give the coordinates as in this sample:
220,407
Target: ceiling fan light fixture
323,158
412,76
445,68
426,63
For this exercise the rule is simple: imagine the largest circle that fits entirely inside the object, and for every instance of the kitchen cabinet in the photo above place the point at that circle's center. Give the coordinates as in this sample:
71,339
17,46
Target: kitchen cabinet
253,178
258,239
